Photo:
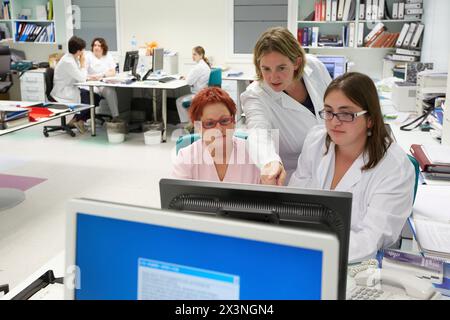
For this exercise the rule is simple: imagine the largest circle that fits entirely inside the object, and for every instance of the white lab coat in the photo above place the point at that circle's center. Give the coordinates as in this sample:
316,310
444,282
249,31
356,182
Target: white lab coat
382,196
266,109
198,79
67,73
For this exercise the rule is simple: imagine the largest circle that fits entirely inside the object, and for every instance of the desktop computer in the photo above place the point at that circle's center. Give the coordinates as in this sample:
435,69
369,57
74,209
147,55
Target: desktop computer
317,211
131,61
118,251
336,65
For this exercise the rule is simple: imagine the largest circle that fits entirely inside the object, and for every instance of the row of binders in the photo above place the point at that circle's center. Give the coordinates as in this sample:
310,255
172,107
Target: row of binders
380,9
434,161
30,32
334,10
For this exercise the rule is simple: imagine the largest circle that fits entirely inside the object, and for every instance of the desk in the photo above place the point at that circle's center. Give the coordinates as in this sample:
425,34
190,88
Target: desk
171,85
242,83
79,108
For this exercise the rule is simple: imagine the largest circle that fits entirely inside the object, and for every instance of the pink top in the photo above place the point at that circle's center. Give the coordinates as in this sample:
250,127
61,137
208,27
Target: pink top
195,163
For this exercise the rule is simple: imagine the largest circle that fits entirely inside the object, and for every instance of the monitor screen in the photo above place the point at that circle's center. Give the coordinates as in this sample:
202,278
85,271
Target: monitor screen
158,59
131,61
336,65
314,210
127,252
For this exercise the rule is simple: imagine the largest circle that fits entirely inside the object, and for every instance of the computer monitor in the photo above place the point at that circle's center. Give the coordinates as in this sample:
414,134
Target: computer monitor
129,252
131,61
319,211
336,65
158,59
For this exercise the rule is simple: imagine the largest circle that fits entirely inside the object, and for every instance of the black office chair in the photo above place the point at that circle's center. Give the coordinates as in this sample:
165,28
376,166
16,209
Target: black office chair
49,72
5,69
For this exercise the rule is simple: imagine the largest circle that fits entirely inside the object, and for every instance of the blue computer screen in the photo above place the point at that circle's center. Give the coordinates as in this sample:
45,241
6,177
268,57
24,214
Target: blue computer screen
120,259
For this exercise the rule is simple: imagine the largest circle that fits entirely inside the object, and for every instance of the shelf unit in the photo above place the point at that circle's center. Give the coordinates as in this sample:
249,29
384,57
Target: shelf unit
368,60
16,23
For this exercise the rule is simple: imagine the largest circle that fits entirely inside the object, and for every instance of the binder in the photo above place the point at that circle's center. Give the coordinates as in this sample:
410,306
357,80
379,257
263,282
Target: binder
414,11
340,14
401,10
416,39
315,37
374,9
328,10
409,35
425,164
402,36
368,9
395,10
360,41
414,1
362,10
351,35
379,27
334,8
413,6
398,57
323,12
346,16
407,52
381,9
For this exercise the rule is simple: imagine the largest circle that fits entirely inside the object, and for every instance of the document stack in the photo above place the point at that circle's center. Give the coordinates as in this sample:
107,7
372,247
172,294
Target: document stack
12,116
433,160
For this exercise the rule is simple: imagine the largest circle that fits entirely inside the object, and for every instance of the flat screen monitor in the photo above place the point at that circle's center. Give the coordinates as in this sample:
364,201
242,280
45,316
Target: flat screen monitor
336,65
128,252
158,59
131,61
327,212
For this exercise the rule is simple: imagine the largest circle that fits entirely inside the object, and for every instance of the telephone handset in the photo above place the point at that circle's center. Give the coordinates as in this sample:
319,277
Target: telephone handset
382,284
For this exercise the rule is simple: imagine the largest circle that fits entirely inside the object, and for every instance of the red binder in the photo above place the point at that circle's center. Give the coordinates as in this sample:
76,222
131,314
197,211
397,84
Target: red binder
425,164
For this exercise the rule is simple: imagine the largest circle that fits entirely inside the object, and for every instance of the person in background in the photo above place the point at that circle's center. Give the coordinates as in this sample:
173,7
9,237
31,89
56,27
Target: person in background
218,155
197,78
354,153
285,99
70,70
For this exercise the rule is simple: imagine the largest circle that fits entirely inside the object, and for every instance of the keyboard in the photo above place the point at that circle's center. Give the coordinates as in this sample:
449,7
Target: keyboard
166,79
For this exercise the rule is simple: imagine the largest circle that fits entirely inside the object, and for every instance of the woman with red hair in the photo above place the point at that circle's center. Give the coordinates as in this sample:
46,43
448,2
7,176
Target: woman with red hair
218,155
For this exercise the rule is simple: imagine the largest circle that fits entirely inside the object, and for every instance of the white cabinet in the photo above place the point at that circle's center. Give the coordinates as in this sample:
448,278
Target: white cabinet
32,85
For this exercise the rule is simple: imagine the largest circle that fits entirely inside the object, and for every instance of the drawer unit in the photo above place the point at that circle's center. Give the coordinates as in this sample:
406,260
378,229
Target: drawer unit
32,86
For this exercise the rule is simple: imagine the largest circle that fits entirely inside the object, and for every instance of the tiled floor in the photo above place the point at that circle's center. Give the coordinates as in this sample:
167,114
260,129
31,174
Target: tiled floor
84,166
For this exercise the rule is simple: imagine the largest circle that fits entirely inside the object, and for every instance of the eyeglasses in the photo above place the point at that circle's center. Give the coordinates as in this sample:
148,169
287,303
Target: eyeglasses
341,116
224,121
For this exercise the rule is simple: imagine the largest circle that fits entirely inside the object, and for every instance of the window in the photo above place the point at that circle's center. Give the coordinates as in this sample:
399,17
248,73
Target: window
253,17
96,19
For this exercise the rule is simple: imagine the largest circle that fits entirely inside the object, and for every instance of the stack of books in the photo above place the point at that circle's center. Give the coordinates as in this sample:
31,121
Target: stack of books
11,117
433,160
378,37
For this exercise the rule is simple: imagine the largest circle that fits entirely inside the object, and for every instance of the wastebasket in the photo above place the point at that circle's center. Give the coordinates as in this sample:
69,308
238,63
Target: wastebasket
152,132
116,131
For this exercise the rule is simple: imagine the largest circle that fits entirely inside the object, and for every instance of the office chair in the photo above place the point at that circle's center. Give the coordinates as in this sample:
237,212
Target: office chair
188,139
49,72
5,69
215,80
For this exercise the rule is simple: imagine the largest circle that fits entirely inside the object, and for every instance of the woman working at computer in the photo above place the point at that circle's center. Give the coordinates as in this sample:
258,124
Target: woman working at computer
197,78
354,153
218,155
283,104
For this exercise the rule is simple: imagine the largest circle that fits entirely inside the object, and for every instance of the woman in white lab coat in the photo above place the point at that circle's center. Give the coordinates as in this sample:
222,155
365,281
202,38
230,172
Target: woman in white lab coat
354,153
197,78
283,104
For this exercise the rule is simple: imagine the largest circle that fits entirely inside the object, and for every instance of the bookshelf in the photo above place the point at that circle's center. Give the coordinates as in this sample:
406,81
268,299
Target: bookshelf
29,21
333,35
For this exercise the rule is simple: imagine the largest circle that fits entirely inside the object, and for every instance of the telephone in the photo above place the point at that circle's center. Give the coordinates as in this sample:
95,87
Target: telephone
381,284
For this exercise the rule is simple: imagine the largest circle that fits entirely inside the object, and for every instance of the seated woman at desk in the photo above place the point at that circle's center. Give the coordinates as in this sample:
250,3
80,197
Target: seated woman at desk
218,155
70,70
197,78
354,153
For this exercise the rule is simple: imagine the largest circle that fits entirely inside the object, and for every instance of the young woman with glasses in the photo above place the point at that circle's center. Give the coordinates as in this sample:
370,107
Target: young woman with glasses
354,153
218,155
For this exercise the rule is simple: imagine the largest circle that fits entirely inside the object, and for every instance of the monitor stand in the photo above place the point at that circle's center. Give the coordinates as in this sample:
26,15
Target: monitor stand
10,198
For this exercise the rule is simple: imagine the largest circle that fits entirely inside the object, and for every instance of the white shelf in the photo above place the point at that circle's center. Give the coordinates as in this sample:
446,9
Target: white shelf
323,22
347,48
391,20
34,21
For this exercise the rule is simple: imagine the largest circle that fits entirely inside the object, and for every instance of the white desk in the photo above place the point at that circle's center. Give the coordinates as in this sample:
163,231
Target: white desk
171,85
242,83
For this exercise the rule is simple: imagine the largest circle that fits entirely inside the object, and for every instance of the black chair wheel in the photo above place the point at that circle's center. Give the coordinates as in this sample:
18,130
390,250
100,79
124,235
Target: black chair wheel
72,134
46,134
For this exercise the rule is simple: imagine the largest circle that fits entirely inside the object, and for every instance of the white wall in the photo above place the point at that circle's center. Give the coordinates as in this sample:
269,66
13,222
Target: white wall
436,45
178,25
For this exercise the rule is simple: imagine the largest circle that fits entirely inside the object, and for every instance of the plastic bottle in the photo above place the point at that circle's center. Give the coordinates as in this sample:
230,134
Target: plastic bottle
142,69
134,46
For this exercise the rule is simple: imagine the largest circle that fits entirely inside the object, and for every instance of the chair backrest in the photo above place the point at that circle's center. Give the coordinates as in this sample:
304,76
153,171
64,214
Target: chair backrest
189,139
49,73
215,78
5,62
417,170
